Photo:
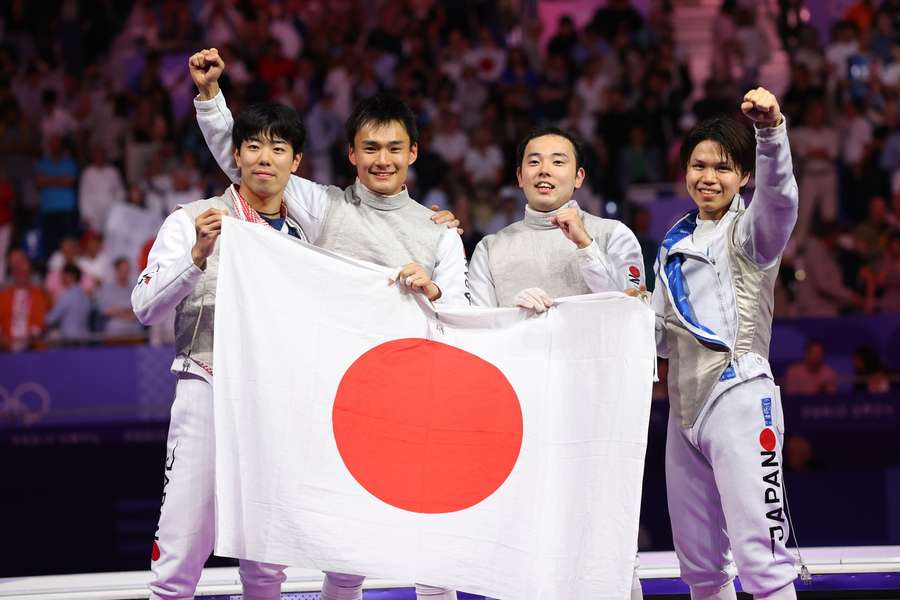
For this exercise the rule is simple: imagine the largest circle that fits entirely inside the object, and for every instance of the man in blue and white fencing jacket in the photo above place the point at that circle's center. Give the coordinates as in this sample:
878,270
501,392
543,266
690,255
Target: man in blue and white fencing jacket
716,269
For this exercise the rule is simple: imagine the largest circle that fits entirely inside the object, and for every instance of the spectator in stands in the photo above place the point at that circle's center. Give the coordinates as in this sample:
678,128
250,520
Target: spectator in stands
861,13
55,176
869,373
23,305
870,236
799,455
450,141
639,162
483,163
856,137
69,319
815,147
69,253
811,376
114,303
883,279
94,263
819,289
100,188
183,190
56,122
844,43
752,46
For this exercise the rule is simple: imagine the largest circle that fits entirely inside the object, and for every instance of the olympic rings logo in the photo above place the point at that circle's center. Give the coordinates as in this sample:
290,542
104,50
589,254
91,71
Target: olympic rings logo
27,404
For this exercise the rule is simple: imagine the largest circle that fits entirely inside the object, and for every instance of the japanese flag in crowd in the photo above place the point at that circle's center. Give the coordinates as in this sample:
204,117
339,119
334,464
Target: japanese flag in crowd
492,451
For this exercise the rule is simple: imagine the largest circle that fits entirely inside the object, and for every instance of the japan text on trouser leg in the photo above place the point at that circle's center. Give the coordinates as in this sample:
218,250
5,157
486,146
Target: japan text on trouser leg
186,530
726,494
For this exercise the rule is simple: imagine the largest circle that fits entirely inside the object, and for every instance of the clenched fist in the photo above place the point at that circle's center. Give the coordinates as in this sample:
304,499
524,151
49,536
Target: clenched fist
761,107
206,67
208,227
571,224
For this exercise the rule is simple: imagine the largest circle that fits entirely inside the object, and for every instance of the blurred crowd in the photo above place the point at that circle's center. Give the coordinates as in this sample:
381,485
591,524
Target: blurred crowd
99,142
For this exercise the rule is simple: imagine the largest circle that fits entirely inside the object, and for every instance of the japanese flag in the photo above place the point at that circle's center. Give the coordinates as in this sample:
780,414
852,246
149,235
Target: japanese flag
493,451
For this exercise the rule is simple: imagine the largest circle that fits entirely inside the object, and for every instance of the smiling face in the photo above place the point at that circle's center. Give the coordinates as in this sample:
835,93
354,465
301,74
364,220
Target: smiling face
382,154
266,163
548,174
712,179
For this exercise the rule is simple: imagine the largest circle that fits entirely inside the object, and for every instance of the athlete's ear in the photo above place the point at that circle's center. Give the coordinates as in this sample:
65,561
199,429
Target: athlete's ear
351,154
745,180
579,177
413,152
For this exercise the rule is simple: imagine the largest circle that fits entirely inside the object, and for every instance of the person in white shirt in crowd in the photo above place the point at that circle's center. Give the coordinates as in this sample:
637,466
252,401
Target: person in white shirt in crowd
100,188
450,141
483,163
816,146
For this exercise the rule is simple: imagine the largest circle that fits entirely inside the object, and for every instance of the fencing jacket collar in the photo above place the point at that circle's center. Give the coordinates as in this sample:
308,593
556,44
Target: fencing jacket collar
671,260
536,219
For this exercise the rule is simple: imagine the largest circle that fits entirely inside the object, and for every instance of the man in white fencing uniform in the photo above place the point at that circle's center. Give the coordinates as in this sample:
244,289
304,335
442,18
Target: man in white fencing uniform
181,277
557,249
716,270
375,219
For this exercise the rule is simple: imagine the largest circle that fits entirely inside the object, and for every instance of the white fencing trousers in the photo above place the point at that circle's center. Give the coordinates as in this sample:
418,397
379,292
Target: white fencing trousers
725,593
186,531
726,494
342,586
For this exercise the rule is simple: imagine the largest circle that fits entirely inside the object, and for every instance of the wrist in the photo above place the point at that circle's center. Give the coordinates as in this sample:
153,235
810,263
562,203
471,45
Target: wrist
432,291
208,92
773,124
584,242
198,258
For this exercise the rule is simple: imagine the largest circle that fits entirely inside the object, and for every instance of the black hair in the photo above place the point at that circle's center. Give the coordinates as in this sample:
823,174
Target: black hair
73,270
119,261
552,130
382,109
269,120
734,137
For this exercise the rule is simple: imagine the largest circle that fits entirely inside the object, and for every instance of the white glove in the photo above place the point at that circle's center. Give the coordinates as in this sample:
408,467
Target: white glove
534,298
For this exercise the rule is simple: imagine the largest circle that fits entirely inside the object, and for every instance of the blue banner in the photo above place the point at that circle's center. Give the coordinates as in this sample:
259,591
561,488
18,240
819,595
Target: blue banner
85,386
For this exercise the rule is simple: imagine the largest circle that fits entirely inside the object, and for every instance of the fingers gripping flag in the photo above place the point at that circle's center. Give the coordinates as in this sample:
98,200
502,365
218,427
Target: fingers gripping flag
487,450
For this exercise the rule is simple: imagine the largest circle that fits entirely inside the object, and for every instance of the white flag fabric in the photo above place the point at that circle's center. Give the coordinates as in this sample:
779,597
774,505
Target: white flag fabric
493,451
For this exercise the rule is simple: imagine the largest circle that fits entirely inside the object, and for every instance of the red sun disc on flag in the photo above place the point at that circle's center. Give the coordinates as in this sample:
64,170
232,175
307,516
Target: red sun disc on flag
427,427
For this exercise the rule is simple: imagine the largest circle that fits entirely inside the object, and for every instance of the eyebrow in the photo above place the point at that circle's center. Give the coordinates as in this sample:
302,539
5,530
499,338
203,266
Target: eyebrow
375,143
720,162
256,138
554,154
